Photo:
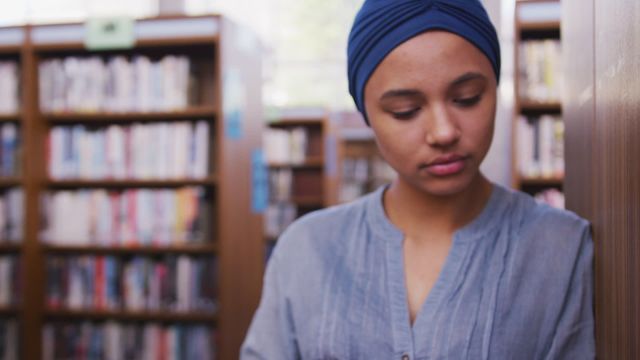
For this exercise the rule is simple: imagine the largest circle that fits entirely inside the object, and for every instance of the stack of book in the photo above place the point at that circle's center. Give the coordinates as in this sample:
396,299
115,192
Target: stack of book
286,146
9,343
9,150
363,175
552,197
9,280
540,70
9,89
112,340
134,217
11,215
541,147
119,84
162,150
171,283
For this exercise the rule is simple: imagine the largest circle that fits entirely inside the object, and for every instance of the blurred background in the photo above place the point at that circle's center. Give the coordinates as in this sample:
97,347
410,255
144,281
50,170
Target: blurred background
152,152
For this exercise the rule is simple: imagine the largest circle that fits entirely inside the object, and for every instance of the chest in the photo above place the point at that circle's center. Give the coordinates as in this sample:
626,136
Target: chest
423,263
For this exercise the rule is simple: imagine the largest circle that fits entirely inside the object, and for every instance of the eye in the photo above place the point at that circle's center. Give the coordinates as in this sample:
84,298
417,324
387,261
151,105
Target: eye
467,101
404,115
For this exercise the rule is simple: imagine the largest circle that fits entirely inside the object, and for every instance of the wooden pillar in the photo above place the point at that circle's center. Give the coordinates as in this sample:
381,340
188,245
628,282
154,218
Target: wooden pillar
602,114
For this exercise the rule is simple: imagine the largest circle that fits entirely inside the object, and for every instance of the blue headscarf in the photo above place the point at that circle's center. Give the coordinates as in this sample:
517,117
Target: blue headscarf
381,25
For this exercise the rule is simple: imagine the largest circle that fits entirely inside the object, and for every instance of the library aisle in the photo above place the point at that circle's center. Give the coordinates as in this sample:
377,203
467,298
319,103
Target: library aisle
126,224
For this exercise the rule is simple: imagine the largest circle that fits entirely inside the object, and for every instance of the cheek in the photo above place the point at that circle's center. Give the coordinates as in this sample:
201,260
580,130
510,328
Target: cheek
397,146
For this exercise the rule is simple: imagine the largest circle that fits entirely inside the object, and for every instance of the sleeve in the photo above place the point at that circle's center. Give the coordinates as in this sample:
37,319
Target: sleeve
574,335
271,334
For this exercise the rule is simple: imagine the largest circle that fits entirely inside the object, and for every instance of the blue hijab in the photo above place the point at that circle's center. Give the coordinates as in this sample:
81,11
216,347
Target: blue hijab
381,25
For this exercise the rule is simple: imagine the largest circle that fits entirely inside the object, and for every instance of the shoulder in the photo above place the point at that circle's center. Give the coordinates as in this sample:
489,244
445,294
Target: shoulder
543,226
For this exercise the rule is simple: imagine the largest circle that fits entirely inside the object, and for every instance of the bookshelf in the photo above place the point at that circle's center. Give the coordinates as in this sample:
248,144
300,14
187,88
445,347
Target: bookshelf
301,152
363,169
538,130
11,192
207,107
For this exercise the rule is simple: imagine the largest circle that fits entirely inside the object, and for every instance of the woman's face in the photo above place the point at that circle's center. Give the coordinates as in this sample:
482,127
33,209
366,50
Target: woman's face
431,104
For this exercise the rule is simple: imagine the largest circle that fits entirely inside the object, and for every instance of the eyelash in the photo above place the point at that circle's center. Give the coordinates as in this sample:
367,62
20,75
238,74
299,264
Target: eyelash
405,115
467,102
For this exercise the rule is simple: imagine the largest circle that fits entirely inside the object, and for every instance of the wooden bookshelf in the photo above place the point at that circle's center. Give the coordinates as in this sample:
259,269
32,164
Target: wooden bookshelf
8,247
187,249
155,316
203,112
528,29
66,184
358,144
9,311
319,170
9,118
236,241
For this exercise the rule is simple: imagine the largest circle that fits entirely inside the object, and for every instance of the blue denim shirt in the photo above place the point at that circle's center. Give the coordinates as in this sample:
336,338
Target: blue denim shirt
516,284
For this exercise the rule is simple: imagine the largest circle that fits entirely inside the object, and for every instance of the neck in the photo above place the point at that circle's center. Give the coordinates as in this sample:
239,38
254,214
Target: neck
417,213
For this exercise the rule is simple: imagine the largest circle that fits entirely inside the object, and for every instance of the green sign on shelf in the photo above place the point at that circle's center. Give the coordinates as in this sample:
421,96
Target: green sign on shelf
110,33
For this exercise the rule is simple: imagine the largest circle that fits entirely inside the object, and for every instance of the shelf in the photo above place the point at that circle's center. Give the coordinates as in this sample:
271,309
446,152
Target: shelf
159,316
10,247
9,310
541,181
202,249
9,118
295,123
195,113
539,26
130,183
187,42
316,162
9,181
530,107
307,201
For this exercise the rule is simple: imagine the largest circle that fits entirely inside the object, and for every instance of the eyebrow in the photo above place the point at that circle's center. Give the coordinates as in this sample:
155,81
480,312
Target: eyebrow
412,93
402,93
467,77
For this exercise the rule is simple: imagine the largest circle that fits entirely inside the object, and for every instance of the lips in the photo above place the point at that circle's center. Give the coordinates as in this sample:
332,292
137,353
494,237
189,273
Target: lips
446,165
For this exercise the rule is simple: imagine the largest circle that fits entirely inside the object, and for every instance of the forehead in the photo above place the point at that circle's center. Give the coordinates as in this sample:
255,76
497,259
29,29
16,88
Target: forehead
431,58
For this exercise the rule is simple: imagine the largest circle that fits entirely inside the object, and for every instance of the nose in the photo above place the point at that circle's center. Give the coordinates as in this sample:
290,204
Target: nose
440,129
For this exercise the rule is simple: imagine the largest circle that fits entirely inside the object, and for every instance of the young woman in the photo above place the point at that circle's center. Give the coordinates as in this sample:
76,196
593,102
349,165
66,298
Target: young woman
441,263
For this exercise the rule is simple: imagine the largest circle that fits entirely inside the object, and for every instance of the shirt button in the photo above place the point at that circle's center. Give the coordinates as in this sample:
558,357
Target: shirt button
405,357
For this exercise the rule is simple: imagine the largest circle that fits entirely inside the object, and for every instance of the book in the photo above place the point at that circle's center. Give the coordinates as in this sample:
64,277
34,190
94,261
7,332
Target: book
9,87
130,218
174,284
91,84
116,340
159,151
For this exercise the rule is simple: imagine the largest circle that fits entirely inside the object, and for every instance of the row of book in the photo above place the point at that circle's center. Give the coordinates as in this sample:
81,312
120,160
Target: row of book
116,341
175,283
286,184
9,150
552,197
361,175
163,150
9,89
11,215
277,216
9,339
117,84
9,280
286,146
134,217
540,70
541,146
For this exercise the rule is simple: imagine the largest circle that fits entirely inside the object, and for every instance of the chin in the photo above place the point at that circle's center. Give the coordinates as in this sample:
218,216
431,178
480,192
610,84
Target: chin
444,187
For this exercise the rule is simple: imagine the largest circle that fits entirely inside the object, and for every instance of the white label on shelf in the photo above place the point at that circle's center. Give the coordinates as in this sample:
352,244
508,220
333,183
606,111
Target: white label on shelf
109,33
11,36
176,28
53,34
